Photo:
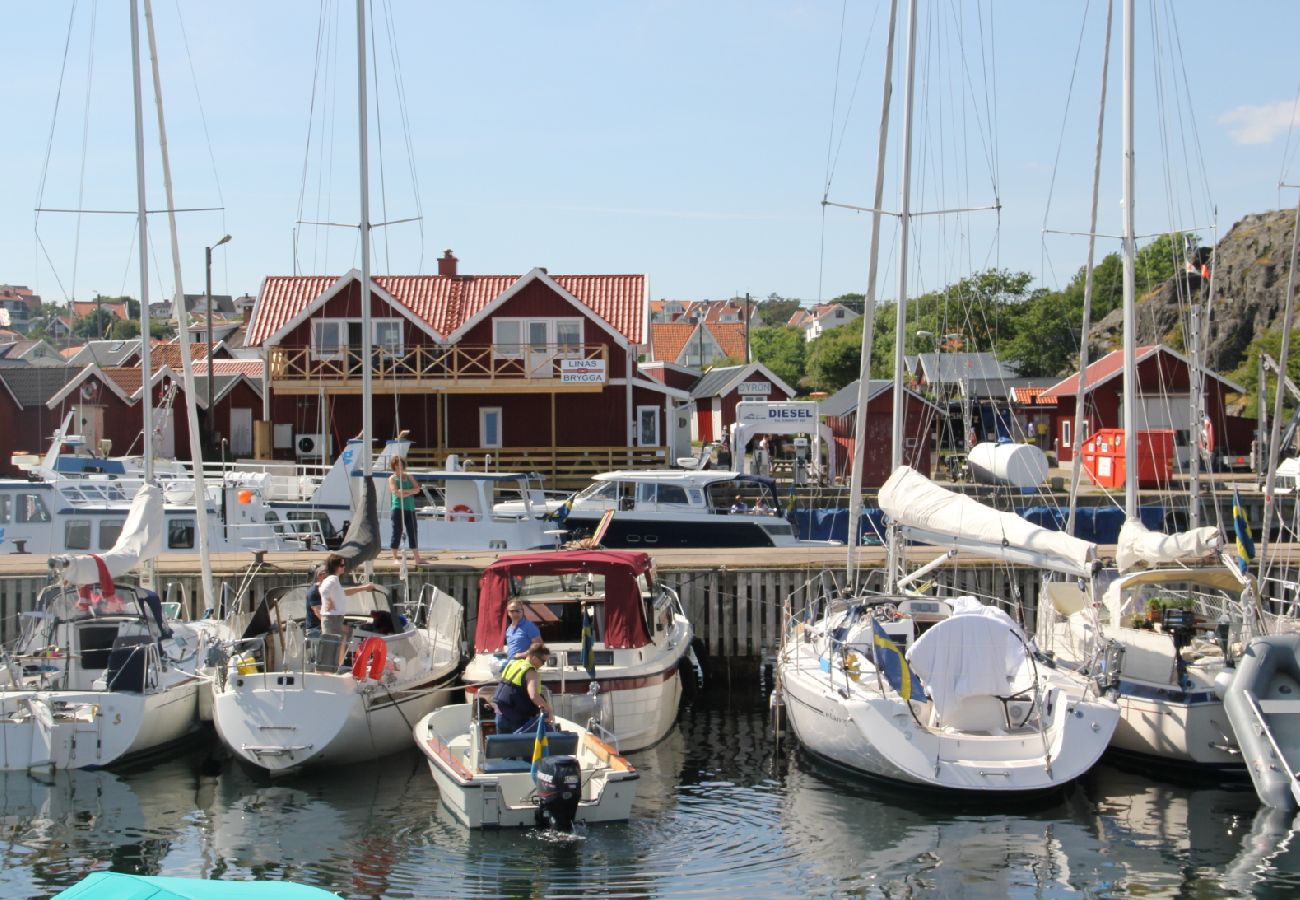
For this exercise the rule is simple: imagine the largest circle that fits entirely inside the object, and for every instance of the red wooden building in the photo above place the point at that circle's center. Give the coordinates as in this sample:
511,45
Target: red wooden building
716,394
530,370
1163,401
920,420
26,423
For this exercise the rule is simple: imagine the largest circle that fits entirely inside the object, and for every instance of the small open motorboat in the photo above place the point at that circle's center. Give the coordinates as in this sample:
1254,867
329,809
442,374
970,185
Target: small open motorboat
1263,705
123,886
486,781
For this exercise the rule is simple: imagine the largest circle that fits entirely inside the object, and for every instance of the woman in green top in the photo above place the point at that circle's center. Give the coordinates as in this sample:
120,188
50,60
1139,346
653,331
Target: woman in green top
402,488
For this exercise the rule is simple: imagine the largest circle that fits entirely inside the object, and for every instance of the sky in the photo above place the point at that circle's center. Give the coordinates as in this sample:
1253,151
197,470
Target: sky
687,141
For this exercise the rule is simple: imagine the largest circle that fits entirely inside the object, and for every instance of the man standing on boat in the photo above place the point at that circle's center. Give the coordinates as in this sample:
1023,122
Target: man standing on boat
518,699
521,634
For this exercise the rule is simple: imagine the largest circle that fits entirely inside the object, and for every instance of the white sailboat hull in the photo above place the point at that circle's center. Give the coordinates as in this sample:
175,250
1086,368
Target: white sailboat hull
92,729
853,725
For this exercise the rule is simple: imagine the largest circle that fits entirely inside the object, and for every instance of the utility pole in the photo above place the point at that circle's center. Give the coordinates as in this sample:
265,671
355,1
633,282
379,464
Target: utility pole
747,357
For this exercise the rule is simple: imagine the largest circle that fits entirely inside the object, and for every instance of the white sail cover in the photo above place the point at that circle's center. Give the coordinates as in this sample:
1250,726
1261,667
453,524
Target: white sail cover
1139,548
140,540
935,515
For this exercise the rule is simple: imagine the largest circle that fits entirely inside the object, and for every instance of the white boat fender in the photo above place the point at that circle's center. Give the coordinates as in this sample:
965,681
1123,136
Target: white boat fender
1223,681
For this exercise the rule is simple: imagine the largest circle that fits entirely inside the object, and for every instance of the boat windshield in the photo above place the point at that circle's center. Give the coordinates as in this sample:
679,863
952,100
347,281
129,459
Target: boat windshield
599,490
555,602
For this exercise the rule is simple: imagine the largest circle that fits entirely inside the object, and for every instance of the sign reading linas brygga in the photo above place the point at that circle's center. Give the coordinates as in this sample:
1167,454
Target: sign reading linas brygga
579,370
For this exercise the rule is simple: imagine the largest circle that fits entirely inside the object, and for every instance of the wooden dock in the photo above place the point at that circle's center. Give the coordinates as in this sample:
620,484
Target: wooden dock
734,597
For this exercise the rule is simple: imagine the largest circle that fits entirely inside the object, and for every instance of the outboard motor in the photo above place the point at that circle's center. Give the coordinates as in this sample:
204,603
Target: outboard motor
1180,624
559,787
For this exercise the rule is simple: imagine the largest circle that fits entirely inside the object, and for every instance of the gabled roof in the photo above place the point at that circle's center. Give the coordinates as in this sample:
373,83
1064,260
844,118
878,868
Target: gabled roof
34,385
449,304
124,381
251,368
221,385
170,354
1028,396
724,379
81,308
1111,366
668,339
953,368
844,402
105,353
730,337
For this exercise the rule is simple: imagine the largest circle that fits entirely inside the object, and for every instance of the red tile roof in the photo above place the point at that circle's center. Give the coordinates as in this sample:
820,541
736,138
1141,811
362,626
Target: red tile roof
250,367
81,309
1030,396
1103,369
445,303
731,338
668,339
170,354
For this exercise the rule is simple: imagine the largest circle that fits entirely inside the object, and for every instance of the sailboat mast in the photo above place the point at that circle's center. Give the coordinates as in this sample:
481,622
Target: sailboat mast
900,322
869,307
1129,281
142,239
367,418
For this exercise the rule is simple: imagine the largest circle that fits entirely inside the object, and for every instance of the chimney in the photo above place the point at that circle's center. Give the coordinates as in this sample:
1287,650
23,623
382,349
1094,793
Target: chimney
447,264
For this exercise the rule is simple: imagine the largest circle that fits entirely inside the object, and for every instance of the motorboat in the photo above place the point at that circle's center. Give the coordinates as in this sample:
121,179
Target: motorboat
163,887
98,675
1263,705
680,508
641,656
490,780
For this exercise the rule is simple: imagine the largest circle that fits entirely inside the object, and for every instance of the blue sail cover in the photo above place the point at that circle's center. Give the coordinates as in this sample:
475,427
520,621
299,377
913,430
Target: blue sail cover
1098,524
833,525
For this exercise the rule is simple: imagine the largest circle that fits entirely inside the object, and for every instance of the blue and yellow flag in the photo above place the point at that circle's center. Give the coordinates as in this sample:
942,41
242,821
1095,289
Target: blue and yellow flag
588,643
541,745
890,662
1245,543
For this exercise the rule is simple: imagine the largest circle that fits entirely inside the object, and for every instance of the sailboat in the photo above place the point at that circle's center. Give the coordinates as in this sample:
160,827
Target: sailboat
968,706
1146,640
283,702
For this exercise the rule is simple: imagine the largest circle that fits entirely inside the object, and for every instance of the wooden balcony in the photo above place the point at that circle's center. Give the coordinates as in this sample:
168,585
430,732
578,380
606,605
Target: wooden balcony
459,369
563,468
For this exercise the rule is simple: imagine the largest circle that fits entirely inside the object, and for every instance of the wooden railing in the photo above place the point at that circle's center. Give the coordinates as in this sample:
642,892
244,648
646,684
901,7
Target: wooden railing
563,468
430,366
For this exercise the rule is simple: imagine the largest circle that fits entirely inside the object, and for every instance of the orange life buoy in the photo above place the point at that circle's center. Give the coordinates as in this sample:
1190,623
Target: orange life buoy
374,653
461,513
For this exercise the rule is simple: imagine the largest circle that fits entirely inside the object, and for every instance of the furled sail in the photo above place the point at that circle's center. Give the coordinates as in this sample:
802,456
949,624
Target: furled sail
361,542
1139,548
141,539
936,515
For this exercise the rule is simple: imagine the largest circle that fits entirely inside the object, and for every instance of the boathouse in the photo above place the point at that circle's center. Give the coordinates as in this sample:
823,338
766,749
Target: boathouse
718,391
1163,402
26,423
920,420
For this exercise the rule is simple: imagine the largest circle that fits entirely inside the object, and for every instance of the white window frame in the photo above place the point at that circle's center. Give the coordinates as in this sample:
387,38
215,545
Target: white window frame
483,413
342,333
394,321
522,342
1066,426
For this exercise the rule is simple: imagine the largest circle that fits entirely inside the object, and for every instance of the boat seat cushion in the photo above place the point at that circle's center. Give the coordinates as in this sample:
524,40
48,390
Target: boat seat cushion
520,746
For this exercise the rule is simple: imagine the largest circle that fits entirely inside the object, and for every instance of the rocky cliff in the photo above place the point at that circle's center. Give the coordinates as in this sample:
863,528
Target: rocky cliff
1251,266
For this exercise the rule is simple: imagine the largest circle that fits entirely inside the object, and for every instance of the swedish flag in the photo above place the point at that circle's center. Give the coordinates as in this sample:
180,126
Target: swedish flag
541,745
890,662
588,643
1245,543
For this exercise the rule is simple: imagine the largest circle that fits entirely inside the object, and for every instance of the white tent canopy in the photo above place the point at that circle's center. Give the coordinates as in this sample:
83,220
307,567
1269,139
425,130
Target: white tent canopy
780,417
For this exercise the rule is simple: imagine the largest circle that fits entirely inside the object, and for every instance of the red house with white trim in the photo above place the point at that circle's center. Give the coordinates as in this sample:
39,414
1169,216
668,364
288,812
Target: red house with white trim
527,369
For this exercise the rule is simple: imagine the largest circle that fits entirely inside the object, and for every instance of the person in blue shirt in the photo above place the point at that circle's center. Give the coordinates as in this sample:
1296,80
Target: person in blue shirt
520,633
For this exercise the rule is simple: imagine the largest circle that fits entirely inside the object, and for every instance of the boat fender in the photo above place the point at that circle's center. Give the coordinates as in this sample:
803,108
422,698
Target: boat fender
372,655
461,513
1222,681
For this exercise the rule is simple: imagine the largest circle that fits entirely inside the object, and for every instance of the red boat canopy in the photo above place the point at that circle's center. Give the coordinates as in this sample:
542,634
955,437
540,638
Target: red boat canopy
624,622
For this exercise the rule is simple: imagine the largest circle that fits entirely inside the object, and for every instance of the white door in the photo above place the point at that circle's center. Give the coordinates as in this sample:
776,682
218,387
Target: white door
90,425
647,426
537,353
241,432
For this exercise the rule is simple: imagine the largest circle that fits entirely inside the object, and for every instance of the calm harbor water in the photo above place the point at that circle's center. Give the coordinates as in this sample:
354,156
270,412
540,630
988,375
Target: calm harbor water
718,812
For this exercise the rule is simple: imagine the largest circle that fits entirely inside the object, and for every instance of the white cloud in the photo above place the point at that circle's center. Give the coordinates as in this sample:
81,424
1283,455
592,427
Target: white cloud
1259,124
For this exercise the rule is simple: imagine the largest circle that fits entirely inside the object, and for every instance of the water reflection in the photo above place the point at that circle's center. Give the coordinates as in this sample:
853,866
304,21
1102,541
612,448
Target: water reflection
718,811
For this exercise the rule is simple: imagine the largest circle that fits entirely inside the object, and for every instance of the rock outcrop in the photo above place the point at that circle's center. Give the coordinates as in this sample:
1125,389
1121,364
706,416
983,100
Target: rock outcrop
1251,266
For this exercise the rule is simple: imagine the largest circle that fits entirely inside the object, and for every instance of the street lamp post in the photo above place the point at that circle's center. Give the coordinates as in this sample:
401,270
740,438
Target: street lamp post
207,265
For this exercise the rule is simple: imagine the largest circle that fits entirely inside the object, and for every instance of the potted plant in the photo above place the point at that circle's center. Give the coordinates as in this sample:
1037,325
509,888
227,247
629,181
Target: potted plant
1155,609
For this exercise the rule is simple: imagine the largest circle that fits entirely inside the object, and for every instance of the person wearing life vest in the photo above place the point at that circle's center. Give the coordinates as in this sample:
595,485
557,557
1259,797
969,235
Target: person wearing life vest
518,698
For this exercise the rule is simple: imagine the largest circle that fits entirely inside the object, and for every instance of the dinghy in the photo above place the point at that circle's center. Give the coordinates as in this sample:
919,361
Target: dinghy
1263,704
489,780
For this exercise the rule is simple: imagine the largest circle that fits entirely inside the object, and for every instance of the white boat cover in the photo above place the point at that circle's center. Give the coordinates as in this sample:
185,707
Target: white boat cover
1139,548
938,516
975,651
140,540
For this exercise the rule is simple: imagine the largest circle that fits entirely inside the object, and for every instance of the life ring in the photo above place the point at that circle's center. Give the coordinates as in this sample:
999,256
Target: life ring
461,513
374,653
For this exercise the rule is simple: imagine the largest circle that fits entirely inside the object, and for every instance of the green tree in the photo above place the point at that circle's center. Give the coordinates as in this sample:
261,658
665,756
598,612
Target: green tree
1247,374
95,325
781,348
835,358
124,329
776,310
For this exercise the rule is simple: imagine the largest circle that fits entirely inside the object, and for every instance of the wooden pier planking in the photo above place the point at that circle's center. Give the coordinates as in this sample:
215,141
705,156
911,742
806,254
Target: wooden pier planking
734,597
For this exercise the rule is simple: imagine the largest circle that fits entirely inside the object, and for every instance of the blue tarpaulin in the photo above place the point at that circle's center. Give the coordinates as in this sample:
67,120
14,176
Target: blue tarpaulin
1099,524
833,525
